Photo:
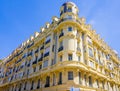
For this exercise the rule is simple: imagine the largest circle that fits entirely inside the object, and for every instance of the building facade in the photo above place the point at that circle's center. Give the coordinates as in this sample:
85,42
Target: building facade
65,53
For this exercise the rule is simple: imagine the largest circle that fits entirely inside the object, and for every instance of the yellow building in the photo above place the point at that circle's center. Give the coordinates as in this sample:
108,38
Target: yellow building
64,54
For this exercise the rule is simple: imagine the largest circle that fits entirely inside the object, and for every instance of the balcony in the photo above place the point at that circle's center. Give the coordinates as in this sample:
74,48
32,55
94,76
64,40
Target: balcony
46,54
60,49
47,41
69,19
61,34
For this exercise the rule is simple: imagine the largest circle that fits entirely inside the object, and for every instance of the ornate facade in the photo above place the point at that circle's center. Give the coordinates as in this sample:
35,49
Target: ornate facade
65,53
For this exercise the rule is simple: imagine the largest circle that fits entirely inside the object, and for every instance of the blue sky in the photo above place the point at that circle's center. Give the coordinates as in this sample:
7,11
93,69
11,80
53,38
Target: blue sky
19,19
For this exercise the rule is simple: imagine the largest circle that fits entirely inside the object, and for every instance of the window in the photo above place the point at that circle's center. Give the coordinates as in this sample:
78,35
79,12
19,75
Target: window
38,85
91,64
79,74
61,31
28,72
69,29
53,48
61,58
40,67
108,56
103,85
78,58
90,52
32,85
97,83
36,57
47,81
60,78
69,9
78,44
20,87
52,62
90,81
47,49
34,69
45,63
25,85
69,57
85,79
70,75
89,40
54,79
48,37
61,44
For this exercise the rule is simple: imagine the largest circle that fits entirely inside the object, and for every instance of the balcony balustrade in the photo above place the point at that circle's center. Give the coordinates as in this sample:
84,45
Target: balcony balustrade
69,19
